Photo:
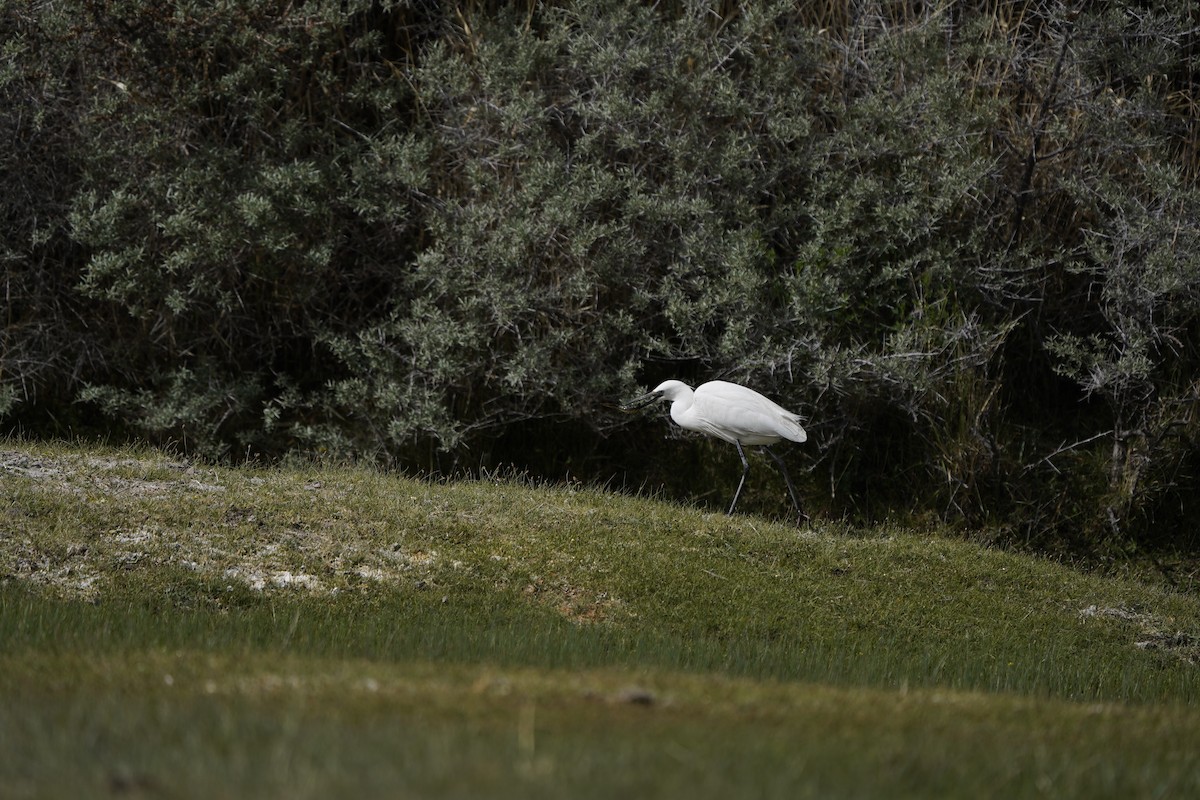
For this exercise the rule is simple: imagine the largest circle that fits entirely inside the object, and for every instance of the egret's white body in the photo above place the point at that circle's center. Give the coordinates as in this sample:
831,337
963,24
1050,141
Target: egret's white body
734,413
731,412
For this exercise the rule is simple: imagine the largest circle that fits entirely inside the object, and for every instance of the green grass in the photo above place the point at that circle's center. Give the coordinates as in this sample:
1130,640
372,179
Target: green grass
183,631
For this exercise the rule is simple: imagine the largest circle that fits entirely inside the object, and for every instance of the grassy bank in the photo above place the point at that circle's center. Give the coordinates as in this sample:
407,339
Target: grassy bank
178,630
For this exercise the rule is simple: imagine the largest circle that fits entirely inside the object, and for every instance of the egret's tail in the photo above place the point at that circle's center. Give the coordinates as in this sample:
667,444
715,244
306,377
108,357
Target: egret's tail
792,430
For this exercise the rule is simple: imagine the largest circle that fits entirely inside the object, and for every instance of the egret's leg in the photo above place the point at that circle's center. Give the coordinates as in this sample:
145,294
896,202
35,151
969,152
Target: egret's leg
788,479
745,472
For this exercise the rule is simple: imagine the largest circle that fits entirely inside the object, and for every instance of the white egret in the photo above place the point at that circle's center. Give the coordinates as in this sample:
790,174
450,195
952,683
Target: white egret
734,413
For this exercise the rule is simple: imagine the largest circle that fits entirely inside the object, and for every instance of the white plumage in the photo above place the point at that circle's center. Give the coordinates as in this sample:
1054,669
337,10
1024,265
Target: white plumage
734,413
731,412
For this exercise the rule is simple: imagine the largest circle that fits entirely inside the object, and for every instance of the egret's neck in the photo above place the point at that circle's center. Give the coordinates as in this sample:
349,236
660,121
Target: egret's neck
680,403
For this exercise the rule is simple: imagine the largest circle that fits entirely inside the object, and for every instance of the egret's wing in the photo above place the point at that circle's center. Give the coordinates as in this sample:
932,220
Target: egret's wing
730,411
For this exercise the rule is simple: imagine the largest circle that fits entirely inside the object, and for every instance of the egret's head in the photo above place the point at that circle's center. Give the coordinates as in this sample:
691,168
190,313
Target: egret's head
667,390
672,390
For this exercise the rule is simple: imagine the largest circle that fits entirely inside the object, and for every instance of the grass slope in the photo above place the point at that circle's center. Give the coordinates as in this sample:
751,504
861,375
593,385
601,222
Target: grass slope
176,630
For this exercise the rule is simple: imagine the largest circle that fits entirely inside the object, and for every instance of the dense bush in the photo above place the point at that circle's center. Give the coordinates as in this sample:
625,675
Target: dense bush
960,239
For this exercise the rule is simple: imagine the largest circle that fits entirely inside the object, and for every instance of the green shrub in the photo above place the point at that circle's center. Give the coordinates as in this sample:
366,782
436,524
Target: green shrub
959,240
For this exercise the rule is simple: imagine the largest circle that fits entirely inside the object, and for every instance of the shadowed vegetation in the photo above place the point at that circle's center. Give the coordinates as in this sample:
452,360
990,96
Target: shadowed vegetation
960,238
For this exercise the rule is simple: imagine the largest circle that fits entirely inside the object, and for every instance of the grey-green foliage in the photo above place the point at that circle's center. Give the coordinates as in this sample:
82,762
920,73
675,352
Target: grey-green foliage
230,212
40,343
1141,254
603,193
379,229
1125,331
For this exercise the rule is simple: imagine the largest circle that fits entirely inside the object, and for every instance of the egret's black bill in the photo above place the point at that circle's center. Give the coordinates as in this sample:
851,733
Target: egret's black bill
640,402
